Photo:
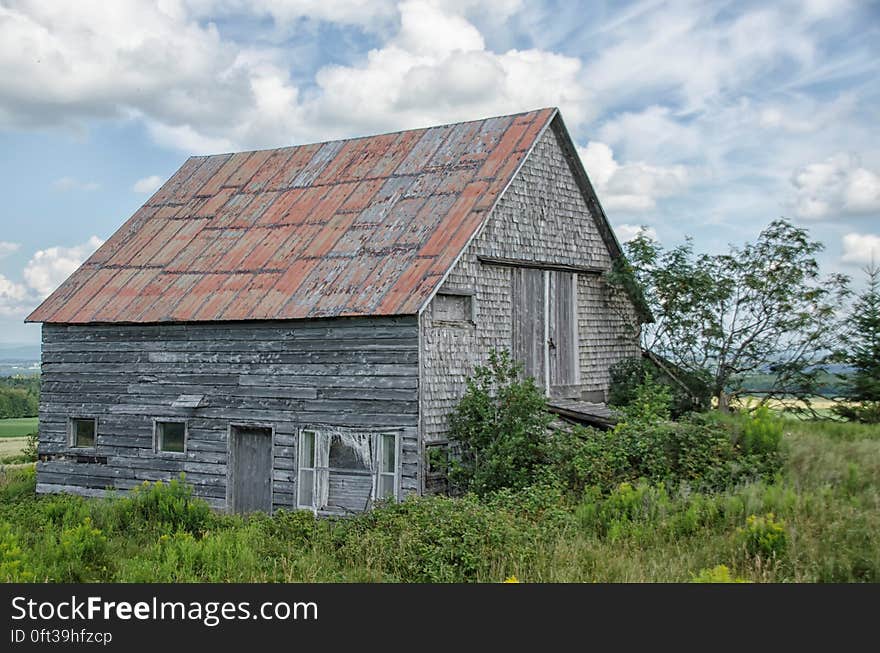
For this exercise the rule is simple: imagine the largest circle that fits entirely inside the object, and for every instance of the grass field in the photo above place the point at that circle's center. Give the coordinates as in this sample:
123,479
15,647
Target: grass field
818,521
18,427
10,447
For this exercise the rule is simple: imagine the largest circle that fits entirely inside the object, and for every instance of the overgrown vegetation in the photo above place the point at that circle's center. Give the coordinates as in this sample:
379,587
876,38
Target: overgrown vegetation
506,440
825,505
710,497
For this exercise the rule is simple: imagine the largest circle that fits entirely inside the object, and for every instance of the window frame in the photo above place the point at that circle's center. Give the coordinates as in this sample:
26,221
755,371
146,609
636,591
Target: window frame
157,438
71,432
395,474
470,301
311,468
375,473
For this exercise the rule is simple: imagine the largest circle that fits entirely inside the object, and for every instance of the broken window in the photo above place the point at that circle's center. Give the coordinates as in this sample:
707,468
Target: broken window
170,437
83,432
341,471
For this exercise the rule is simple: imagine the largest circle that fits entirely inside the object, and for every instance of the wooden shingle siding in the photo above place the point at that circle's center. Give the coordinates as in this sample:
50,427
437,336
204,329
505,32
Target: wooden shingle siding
542,217
358,373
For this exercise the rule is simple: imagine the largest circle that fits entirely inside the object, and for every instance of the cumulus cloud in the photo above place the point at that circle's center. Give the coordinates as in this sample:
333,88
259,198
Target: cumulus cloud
13,298
626,232
49,267
147,184
72,183
7,248
631,187
199,92
861,248
839,185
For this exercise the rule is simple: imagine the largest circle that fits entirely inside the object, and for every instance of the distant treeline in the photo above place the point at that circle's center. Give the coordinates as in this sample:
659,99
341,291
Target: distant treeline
829,384
19,396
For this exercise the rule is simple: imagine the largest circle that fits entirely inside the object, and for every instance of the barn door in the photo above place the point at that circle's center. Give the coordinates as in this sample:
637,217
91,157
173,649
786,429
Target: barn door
562,344
250,469
544,329
529,322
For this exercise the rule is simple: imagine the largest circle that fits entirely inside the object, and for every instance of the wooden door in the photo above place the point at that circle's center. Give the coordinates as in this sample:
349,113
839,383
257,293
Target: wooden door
562,341
544,330
529,322
250,469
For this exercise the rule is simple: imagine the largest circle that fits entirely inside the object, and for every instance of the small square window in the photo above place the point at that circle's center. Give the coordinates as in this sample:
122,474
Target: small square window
454,308
83,432
171,437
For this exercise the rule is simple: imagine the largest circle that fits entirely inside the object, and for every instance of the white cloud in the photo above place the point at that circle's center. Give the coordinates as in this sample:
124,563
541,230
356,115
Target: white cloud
71,183
626,232
49,267
839,185
147,184
13,298
691,53
164,64
631,187
651,134
861,248
437,69
7,248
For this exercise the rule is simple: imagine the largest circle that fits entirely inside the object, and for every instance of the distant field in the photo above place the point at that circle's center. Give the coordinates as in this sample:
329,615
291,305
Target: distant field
17,427
11,447
822,405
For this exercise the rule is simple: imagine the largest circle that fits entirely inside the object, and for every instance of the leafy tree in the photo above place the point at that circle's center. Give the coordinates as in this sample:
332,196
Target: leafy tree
862,351
759,307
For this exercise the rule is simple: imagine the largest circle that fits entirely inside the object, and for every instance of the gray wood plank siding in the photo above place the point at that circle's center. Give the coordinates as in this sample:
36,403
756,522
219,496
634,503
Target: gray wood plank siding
541,217
348,373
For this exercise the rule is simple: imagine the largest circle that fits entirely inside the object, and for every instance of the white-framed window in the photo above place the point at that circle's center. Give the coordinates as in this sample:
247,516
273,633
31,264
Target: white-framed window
307,463
387,469
82,432
169,436
345,471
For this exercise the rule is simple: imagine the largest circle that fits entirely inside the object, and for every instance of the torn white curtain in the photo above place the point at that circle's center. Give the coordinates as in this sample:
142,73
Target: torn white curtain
322,474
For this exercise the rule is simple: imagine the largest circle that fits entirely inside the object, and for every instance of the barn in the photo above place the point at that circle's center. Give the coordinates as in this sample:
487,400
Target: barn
291,328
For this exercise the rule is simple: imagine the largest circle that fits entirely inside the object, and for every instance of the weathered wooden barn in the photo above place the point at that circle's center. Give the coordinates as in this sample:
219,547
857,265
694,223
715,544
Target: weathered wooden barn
292,327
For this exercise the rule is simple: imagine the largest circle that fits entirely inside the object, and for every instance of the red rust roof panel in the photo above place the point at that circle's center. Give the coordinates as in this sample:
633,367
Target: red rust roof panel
354,227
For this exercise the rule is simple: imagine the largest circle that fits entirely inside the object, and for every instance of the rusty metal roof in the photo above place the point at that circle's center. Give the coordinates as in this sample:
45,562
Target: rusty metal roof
365,226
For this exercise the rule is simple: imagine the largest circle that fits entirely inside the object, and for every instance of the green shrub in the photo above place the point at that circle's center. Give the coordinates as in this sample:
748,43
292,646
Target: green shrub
434,539
17,484
170,506
225,556
718,574
628,374
500,425
77,554
763,536
762,432
13,567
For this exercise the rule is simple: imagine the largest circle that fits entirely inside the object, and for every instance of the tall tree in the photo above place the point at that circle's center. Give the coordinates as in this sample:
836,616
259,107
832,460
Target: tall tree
862,343
762,307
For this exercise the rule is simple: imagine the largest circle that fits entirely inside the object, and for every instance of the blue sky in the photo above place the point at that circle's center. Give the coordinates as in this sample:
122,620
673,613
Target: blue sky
707,119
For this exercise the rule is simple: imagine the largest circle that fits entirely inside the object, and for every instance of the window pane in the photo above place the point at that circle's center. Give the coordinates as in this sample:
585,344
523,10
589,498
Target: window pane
350,452
171,436
386,485
306,488
307,455
84,433
389,453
